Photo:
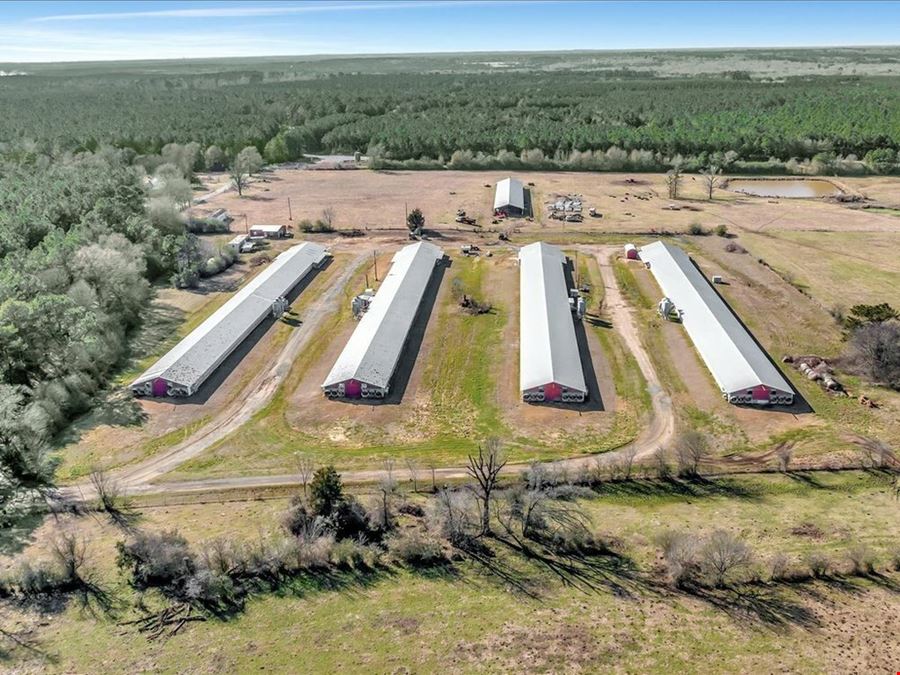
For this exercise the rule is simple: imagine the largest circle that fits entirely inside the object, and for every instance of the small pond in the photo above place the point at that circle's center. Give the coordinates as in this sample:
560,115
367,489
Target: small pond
792,187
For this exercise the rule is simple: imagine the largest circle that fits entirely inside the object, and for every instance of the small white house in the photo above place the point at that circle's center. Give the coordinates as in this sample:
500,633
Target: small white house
268,231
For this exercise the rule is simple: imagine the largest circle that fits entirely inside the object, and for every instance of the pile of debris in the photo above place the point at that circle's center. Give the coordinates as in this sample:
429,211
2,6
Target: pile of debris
817,369
566,207
472,306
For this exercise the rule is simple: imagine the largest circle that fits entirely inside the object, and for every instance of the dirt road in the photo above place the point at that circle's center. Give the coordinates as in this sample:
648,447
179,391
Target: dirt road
659,431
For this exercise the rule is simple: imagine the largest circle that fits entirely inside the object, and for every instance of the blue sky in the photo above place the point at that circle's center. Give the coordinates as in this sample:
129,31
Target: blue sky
76,31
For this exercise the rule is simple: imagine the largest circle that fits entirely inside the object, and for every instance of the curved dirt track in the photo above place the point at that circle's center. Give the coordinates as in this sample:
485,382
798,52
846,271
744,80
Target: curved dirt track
659,431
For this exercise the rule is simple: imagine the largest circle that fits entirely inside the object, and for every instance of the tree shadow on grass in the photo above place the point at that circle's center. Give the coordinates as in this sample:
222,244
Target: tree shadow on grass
694,488
766,606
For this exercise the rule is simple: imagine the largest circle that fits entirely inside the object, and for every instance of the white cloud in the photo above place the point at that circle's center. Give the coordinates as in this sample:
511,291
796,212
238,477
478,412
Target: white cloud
28,45
261,10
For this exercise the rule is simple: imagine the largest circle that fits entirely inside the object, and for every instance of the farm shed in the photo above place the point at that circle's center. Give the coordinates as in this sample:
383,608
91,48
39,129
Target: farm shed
631,252
367,364
549,361
268,232
510,197
193,360
740,367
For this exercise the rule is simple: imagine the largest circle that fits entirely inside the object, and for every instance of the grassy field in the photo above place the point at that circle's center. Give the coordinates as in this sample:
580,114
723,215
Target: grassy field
470,618
839,269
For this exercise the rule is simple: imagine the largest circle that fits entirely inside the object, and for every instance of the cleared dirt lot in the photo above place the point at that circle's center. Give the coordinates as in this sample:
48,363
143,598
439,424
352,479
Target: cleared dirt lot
628,202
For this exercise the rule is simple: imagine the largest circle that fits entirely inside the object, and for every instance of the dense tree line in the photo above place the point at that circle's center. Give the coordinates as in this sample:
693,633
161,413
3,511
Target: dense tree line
77,255
407,116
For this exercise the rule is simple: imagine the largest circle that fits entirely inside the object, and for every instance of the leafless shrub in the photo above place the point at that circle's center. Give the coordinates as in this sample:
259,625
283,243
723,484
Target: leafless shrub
691,449
680,552
350,554
724,556
874,351
862,558
784,453
876,454
417,549
779,567
819,564
661,464
35,578
732,247
110,498
156,559
454,515
313,553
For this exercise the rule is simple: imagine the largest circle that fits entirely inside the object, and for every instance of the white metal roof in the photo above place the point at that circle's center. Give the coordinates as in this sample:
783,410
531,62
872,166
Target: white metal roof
732,355
193,359
267,228
372,352
509,193
548,350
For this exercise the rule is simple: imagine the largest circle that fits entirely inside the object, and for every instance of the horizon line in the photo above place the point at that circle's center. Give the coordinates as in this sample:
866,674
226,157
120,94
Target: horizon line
346,55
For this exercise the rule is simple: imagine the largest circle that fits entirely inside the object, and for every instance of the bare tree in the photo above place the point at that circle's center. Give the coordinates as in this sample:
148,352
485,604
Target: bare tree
691,449
328,217
711,179
239,177
413,469
485,470
784,451
673,181
628,456
723,555
70,553
387,486
110,498
306,466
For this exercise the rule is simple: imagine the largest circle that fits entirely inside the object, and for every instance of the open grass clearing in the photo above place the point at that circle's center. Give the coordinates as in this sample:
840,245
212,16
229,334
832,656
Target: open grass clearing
396,618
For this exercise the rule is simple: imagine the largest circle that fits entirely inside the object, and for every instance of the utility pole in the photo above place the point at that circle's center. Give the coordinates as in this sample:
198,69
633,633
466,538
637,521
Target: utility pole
246,224
290,213
375,260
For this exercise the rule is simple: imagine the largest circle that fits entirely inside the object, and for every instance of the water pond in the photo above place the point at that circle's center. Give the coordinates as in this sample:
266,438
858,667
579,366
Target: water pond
792,187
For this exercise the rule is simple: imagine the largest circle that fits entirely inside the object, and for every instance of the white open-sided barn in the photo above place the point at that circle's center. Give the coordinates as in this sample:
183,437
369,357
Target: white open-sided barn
368,361
183,369
509,197
549,361
740,367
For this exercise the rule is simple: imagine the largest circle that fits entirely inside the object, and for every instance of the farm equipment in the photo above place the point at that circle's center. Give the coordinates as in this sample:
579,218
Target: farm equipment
470,249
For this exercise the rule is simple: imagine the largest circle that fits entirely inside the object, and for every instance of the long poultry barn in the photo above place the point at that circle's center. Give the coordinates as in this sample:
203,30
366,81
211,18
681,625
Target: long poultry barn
509,197
367,364
740,367
549,361
186,367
